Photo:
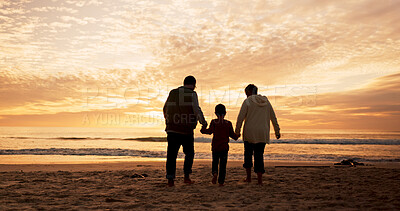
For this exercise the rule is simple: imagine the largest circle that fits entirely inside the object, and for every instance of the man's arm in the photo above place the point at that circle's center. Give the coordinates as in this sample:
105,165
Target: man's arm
241,117
165,108
275,123
197,110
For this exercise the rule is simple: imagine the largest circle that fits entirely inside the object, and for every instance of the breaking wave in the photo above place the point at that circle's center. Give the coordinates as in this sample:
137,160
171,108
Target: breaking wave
162,154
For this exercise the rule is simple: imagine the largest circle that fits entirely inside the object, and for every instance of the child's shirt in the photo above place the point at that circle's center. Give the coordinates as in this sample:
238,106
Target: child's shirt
222,130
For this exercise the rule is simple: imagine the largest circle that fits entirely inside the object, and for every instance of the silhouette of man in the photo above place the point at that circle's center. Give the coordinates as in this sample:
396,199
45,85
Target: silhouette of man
256,112
181,113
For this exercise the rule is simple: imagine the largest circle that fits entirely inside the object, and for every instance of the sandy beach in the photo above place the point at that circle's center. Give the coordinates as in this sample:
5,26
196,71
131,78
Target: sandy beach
142,185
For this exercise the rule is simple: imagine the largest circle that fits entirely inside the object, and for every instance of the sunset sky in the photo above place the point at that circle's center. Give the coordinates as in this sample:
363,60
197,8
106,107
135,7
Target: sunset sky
100,63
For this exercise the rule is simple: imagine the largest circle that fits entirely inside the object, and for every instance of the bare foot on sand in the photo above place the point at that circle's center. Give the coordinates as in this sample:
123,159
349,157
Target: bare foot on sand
188,181
259,179
214,179
248,173
247,179
171,183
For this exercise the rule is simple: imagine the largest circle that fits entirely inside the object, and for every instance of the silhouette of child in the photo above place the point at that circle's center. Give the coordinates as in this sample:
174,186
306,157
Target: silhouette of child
222,130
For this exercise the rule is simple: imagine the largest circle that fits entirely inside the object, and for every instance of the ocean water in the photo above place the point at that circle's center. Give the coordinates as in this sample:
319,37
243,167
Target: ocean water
88,145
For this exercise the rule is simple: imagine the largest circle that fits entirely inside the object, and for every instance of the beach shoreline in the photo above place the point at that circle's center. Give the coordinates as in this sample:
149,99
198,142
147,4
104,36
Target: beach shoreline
160,163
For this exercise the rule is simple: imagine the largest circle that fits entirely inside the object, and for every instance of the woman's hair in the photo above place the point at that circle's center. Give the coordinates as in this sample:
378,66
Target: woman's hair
251,88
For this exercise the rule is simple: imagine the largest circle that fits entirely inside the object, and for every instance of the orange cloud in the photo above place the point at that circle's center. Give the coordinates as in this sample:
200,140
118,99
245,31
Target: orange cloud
314,59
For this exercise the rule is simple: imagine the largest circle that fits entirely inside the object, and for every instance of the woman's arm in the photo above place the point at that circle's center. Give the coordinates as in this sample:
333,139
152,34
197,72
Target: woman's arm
241,117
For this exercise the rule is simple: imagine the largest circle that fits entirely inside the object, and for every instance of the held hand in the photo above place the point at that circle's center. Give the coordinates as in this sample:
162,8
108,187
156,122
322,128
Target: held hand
278,135
237,134
204,125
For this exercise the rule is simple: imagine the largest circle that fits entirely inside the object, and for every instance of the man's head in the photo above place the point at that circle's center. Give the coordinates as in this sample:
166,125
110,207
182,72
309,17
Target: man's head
189,82
220,110
251,89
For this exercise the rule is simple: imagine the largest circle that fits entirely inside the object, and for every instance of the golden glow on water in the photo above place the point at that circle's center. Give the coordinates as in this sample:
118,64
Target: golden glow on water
75,145
69,159
287,152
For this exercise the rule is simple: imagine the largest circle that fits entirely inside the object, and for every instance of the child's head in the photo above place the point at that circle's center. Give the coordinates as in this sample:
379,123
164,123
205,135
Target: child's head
220,110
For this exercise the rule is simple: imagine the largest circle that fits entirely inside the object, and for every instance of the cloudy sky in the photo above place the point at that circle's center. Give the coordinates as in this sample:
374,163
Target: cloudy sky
99,63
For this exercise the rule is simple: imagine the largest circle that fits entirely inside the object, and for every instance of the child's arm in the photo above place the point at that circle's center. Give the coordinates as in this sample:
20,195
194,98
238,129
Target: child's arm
209,131
232,134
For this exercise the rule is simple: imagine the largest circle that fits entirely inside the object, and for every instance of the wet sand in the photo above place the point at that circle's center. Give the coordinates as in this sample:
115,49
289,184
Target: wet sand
142,185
